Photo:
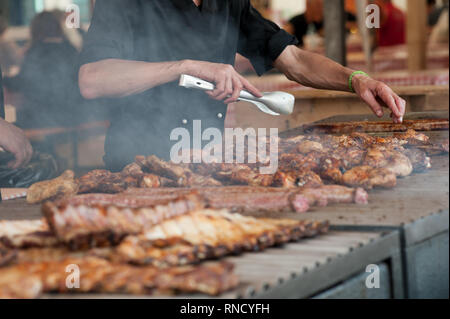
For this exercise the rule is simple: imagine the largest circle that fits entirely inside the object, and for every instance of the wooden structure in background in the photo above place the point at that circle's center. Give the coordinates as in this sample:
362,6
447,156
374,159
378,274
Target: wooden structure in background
417,34
335,35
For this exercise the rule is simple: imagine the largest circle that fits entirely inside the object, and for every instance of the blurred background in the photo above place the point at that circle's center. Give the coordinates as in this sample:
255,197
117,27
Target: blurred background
38,57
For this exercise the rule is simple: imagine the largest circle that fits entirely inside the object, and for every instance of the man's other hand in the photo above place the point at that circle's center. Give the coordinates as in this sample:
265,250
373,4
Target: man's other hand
378,96
228,82
13,140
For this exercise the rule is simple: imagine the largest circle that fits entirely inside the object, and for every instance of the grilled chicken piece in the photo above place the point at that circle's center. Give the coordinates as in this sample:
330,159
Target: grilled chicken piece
300,178
419,159
82,226
295,161
60,187
330,169
307,146
392,160
30,280
411,137
368,177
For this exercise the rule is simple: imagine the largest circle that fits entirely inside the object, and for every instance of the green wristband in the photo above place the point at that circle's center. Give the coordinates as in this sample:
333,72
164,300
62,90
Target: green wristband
350,79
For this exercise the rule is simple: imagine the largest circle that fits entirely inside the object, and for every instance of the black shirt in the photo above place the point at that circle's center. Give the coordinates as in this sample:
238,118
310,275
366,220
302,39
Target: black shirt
48,83
301,27
173,30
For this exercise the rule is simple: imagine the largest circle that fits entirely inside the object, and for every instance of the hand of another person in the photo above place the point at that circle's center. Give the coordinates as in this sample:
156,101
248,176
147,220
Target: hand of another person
228,82
378,95
13,140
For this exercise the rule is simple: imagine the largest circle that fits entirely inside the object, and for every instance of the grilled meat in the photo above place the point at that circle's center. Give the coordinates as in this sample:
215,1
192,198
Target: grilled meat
60,187
392,160
334,194
26,234
297,178
211,234
30,280
368,177
418,158
101,225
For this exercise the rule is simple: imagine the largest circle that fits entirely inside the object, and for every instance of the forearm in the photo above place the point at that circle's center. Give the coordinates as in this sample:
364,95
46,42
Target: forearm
313,70
119,78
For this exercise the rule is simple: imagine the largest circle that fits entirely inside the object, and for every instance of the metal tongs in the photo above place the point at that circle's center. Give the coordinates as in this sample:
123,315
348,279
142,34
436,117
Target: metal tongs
273,103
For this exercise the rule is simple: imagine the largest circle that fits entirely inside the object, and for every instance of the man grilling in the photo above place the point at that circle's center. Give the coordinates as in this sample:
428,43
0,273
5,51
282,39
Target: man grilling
136,50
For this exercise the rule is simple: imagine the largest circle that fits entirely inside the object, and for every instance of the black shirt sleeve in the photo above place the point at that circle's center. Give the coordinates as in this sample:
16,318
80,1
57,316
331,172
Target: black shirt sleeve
110,35
261,40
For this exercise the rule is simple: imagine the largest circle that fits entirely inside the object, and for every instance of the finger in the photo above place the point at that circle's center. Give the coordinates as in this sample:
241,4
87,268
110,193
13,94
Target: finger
387,96
227,91
250,87
17,162
401,104
237,88
370,99
220,88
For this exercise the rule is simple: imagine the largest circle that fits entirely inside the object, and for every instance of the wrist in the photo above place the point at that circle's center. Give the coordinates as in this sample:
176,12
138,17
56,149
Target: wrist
355,79
186,67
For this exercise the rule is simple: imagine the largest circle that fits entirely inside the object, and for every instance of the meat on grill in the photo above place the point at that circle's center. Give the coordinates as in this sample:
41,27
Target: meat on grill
60,187
30,280
297,178
181,175
392,160
26,234
211,234
99,225
368,177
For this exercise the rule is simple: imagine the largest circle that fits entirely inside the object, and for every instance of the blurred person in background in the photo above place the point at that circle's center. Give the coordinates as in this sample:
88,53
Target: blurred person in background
392,30
435,12
440,34
74,35
10,53
48,77
311,21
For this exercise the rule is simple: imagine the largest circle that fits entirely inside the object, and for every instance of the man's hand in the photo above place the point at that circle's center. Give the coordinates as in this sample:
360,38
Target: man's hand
229,83
378,95
13,140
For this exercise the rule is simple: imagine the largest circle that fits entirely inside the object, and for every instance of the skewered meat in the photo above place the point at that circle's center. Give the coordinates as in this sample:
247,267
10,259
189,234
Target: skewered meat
25,234
82,226
30,280
298,178
368,177
60,187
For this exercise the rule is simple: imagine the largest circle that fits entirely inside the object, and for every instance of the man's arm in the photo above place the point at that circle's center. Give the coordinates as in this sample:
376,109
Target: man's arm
13,140
319,72
119,78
